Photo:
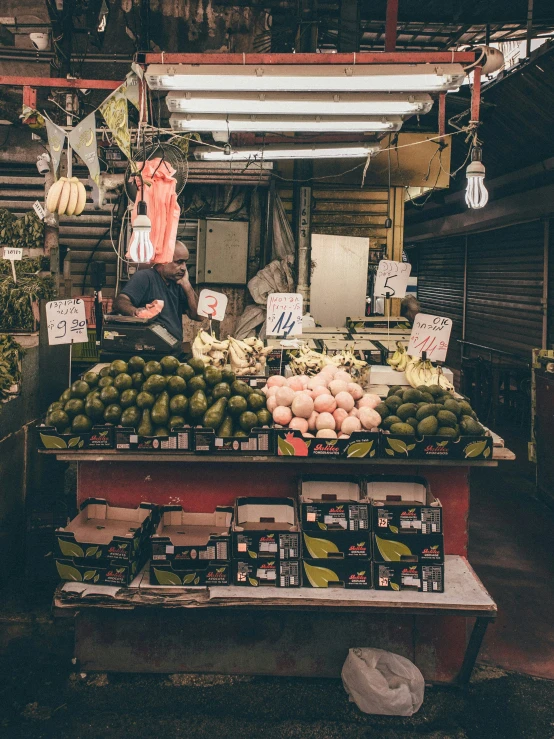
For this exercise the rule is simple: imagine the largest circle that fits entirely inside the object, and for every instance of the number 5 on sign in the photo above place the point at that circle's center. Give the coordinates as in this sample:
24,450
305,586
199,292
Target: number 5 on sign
284,314
212,305
430,334
391,280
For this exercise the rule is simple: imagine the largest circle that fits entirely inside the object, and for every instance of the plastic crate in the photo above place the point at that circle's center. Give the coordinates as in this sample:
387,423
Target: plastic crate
86,351
88,300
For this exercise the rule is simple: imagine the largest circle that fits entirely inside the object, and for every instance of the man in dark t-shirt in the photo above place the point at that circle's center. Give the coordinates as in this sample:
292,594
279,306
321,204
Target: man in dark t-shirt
168,282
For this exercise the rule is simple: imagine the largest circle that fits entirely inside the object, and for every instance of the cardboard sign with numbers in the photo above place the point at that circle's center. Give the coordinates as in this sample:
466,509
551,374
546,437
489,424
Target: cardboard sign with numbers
11,252
212,305
430,334
66,321
284,314
391,280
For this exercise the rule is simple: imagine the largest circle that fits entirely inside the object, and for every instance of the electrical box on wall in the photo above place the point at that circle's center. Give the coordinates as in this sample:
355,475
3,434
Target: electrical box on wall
222,252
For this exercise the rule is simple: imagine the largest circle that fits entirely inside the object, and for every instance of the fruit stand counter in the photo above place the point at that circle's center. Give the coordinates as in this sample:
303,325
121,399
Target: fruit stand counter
441,632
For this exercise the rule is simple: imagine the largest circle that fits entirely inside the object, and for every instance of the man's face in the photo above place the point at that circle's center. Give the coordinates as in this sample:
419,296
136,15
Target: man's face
176,269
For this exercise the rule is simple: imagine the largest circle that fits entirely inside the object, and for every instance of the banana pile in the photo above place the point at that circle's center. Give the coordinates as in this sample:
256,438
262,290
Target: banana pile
209,349
421,372
306,361
248,357
67,197
400,358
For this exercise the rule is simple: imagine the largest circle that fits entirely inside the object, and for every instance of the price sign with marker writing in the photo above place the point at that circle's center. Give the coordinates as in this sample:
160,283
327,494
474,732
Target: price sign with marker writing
14,255
391,280
212,305
66,321
284,314
430,334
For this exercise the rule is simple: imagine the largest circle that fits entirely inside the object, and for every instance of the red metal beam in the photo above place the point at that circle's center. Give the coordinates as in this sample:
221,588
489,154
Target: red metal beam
59,82
30,97
476,94
391,23
399,57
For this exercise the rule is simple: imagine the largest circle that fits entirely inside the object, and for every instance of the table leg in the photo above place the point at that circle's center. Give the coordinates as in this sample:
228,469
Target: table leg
472,651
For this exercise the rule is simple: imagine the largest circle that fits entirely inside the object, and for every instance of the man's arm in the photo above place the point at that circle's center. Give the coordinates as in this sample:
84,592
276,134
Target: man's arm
192,298
122,305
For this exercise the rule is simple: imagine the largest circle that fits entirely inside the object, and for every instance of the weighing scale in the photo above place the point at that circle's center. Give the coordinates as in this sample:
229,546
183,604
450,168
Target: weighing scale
129,335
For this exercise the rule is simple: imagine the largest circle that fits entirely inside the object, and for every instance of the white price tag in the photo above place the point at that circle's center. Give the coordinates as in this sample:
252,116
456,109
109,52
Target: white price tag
284,314
39,210
12,253
430,334
66,321
212,305
391,280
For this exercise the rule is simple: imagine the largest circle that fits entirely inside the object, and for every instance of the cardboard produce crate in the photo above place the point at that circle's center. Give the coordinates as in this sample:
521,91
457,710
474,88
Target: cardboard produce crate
389,547
267,573
336,544
332,502
437,447
291,443
398,576
259,441
183,537
100,571
403,504
266,528
179,440
351,574
100,437
190,574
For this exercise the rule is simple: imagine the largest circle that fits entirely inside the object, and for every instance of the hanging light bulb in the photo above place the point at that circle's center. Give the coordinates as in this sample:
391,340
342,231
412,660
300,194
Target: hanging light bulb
141,249
477,195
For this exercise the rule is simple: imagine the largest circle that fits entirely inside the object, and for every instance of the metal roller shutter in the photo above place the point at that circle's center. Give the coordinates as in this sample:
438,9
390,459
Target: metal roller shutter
440,286
504,288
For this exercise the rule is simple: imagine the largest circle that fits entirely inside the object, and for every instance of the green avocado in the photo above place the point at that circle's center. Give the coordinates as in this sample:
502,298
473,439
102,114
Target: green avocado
145,400
413,422
138,380
109,395
383,410
80,389
213,376
145,427
256,401
411,395
453,406
393,402
154,384
241,388
81,424
435,390
152,368
198,405
226,428
221,390
74,407
264,417
161,431
389,421
248,421
185,371
213,418
135,364
160,410
57,406
446,418
169,364
176,422
402,428
237,405
123,382
112,414
176,385
94,408
227,375
470,427
128,398
393,389
426,410
105,381
178,405
465,408
118,367
197,365
105,371
91,378
131,417
60,420
196,383
447,431
406,410
428,426
427,398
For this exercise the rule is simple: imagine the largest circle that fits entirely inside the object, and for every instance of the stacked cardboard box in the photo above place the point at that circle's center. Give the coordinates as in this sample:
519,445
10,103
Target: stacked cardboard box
335,532
266,543
103,544
408,541
192,548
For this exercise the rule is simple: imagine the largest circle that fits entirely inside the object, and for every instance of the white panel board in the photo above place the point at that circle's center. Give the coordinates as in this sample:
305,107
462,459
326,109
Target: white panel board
339,278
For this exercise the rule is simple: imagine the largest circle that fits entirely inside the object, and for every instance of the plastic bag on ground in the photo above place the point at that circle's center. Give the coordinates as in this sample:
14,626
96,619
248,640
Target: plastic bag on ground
381,682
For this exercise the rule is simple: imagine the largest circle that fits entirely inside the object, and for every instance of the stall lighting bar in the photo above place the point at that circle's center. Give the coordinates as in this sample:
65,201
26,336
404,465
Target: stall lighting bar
297,78
282,103
337,151
313,59
282,123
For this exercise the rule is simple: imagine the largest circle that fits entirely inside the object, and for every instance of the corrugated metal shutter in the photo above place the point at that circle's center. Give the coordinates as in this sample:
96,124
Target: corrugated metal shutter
504,288
440,286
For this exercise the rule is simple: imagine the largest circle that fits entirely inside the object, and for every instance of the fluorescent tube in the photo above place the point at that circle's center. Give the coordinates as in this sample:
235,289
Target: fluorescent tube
295,124
315,151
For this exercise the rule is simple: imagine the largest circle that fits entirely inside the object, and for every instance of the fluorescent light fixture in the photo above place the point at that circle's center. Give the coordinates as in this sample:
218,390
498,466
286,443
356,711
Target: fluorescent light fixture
306,77
285,123
316,151
283,103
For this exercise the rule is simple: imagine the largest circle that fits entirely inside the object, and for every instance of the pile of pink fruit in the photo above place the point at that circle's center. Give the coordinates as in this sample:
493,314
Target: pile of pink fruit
329,405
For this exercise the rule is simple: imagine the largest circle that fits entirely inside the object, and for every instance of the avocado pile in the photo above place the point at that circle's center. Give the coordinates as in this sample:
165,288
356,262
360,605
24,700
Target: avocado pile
154,397
427,411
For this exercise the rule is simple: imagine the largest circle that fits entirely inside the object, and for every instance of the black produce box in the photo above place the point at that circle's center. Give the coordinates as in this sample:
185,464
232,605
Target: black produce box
403,504
187,573
276,361
100,571
101,531
255,381
364,323
436,447
179,440
336,544
332,502
266,528
267,573
421,578
352,574
389,547
100,437
259,441
291,443
188,537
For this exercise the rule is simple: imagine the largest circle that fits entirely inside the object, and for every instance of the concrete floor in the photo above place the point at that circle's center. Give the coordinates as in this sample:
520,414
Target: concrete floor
509,697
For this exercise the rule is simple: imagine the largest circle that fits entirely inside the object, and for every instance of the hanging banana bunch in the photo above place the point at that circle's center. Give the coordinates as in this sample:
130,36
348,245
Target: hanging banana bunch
400,358
67,197
421,372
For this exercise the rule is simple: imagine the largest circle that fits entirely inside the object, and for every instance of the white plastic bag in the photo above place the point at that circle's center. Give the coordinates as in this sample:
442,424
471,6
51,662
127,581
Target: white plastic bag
383,683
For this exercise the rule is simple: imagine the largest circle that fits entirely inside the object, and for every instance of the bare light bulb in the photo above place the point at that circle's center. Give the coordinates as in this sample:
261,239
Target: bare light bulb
141,249
477,195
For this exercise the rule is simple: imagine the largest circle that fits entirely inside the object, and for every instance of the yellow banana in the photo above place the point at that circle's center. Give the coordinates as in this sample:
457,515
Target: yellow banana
54,195
81,199
64,197
73,197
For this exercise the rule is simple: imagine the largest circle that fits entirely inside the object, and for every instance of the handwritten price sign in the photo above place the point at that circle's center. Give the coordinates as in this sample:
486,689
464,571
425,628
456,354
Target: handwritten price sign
66,321
212,305
284,314
10,252
391,280
430,334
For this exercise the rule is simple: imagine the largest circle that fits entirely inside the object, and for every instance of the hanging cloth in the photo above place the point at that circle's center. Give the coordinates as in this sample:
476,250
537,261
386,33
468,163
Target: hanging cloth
160,196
